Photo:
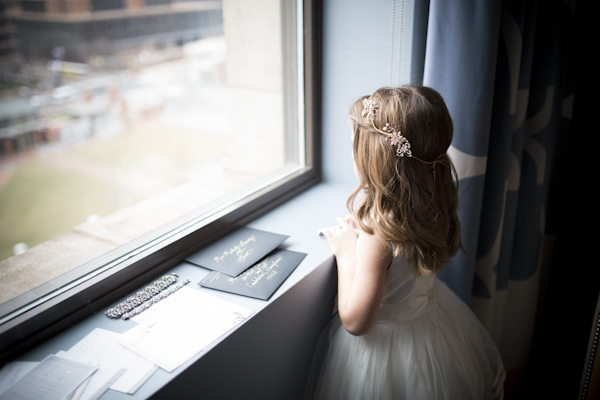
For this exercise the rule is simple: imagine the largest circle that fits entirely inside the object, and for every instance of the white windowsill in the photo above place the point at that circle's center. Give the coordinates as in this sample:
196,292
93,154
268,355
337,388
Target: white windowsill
286,326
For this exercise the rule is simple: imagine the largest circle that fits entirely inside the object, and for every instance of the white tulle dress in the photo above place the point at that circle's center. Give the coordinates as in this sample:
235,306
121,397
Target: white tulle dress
426,344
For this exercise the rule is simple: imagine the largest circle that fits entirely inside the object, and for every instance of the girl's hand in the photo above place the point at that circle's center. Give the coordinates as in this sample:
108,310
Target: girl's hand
350,220
342,239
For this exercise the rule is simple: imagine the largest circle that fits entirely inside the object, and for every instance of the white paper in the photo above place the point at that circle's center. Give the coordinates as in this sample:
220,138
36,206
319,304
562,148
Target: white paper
180,326
13,371
100,381
79,391
54,378
118,367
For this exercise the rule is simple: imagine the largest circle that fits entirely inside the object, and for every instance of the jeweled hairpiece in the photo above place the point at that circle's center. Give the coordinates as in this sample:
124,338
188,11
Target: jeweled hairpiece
395,138
369,110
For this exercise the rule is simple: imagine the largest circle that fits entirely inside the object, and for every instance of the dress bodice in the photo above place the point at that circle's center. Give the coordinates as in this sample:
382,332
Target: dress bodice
407,296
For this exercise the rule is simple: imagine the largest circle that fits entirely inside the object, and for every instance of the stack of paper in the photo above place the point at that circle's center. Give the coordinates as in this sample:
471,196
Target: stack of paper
53,378
118,367
171,333
115,367
167,335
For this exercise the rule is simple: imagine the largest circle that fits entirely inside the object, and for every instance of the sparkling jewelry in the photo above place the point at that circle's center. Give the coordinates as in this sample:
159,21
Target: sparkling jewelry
369,111
143,295
395,138
154,300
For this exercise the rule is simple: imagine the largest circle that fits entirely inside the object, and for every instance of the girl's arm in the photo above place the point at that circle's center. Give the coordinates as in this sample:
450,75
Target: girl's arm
362,262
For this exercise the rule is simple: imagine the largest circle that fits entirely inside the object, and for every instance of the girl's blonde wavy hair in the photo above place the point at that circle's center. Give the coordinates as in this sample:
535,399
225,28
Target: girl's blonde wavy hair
410,203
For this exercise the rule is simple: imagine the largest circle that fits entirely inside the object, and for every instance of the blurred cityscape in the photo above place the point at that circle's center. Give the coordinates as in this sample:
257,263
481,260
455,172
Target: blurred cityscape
68,66
118,117
111,114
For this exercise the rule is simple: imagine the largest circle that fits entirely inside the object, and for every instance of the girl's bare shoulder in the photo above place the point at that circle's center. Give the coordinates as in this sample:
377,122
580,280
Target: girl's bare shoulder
374,248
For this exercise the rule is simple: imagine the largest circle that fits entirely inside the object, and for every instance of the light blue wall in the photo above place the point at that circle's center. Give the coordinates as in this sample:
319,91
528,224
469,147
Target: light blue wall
357,57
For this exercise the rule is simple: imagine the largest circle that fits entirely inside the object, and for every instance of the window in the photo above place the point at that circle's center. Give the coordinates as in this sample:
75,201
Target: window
106,4
130,138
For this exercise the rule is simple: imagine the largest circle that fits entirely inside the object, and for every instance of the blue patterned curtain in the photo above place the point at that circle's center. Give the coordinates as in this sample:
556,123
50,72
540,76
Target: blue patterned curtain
501,66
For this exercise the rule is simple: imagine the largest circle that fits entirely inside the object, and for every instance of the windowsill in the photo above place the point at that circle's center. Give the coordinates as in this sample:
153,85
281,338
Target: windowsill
269,353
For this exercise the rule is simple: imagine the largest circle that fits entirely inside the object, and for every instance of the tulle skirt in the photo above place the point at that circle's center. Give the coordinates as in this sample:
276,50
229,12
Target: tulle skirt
444,353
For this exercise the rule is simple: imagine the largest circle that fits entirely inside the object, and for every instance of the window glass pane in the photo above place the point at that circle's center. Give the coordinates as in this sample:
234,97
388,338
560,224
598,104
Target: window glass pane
118,117
97,5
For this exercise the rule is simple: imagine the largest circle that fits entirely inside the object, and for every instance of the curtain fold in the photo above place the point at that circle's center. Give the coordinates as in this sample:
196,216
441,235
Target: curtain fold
501,68
460,62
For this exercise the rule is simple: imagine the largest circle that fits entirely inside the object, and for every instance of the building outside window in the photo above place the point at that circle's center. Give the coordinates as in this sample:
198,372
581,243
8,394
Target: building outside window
124,123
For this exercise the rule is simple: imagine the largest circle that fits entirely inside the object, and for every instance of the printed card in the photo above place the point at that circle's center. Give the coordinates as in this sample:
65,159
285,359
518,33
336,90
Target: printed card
53,378
259,281
238,251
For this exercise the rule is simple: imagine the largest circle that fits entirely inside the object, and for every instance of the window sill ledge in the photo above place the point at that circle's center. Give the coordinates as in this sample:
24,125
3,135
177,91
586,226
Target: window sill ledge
277,341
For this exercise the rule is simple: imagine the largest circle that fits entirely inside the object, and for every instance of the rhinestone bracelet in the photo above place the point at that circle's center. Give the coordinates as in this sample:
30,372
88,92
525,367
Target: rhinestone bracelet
154,300
145,294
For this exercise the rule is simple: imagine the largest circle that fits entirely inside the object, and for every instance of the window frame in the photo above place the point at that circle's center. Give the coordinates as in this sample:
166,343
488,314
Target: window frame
74,300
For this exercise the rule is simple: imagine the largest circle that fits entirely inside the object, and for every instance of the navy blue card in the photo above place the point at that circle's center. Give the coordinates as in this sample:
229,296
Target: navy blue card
238,251
259,281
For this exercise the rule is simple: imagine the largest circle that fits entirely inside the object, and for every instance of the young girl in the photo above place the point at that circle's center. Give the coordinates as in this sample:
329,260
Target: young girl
401,333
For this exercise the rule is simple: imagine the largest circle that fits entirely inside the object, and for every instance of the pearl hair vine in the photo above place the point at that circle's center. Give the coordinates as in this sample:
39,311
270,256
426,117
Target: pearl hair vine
395,138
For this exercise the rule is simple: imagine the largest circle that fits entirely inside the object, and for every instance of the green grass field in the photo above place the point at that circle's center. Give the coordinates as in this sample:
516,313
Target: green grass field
41,200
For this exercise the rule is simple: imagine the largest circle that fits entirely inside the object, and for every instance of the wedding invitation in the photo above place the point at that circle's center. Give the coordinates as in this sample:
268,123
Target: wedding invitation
260,280
236,252
173,331
53,378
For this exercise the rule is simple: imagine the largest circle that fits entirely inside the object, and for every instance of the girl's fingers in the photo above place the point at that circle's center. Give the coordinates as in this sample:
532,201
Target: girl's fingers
346,223
343,222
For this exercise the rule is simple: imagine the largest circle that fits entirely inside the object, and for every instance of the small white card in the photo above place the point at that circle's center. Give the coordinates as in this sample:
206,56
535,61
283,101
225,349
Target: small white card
177,328
54,378
13,371
118,367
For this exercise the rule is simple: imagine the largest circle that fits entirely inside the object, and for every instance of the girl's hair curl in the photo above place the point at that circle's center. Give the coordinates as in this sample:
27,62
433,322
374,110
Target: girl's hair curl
410,203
